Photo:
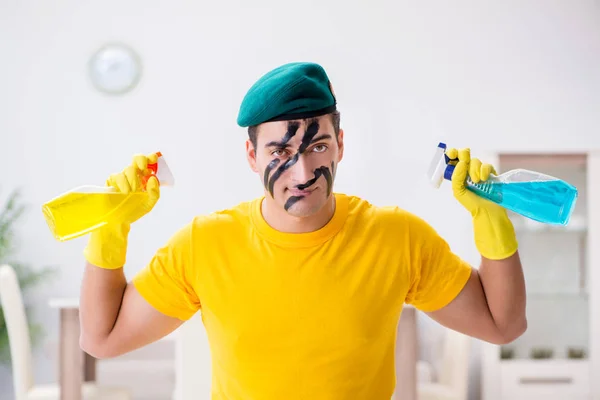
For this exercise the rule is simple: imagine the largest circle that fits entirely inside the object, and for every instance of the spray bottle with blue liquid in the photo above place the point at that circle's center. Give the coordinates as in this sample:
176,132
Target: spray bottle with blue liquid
534,195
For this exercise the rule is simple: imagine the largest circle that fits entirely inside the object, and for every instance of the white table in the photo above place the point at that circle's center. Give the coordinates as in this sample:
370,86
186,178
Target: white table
192,355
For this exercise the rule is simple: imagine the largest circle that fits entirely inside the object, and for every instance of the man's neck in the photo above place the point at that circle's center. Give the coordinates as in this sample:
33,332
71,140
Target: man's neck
284,222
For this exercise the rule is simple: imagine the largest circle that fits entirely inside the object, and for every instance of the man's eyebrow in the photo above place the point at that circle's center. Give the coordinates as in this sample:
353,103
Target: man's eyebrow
283,144
321,137
280,144
292,128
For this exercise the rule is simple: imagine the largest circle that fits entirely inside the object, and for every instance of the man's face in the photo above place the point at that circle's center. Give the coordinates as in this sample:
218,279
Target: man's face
296,161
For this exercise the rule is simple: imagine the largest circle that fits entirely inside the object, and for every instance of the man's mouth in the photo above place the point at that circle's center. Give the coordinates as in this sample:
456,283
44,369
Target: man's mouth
299,192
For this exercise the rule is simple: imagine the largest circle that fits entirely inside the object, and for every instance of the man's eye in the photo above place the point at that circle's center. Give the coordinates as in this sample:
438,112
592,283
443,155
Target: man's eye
320,148
278,152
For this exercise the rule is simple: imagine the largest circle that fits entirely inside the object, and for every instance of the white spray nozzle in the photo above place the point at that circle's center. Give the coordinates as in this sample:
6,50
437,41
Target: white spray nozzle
437,168
161,170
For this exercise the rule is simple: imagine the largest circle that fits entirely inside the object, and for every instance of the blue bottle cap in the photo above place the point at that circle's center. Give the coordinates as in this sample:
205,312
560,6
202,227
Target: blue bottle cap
448,172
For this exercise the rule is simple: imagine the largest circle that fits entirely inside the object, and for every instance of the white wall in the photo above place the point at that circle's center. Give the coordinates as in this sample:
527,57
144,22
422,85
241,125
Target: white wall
407,74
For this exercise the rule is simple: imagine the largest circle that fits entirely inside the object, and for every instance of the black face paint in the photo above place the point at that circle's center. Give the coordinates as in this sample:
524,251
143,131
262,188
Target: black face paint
292,129
288,164
289,134
271,165
321,171
328,178
318,172
311,131
291,201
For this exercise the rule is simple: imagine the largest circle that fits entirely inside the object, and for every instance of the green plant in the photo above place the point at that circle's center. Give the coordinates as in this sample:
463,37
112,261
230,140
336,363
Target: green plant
507,353
28,277
539,353
576,353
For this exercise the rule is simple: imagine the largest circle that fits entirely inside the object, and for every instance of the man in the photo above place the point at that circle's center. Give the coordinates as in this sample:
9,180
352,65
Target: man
301,290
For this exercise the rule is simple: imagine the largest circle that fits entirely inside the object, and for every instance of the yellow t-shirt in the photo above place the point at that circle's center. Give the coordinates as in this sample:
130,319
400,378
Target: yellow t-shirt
303,316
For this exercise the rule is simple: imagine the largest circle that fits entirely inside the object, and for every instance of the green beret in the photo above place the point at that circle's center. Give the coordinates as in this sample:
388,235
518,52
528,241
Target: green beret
292,91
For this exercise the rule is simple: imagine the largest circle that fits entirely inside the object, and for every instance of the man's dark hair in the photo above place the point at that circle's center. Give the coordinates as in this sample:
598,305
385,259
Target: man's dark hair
335,120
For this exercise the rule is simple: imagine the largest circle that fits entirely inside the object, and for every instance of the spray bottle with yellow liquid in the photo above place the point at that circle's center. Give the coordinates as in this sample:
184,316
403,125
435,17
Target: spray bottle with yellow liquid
86,208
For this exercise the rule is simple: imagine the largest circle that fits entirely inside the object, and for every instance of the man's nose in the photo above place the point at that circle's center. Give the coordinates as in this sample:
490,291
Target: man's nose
303,171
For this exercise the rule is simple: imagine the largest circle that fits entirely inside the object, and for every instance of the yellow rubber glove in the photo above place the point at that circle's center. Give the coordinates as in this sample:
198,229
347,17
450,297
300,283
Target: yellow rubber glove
494,233
107,246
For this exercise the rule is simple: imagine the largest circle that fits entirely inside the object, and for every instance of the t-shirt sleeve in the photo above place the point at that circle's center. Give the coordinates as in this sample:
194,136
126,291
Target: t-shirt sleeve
438,274
167,280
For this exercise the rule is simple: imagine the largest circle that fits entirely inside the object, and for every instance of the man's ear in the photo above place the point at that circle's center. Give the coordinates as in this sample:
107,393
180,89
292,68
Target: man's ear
340,145
251,155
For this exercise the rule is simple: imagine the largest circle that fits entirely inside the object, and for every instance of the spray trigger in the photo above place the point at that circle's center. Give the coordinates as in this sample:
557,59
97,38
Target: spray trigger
161,170
440,167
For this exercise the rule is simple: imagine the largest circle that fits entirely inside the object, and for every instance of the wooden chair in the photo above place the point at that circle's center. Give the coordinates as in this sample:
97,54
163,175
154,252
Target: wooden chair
21,353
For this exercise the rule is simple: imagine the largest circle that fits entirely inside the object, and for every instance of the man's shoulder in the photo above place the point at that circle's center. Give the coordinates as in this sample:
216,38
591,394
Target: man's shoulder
212,229
366,212
361,207
225,218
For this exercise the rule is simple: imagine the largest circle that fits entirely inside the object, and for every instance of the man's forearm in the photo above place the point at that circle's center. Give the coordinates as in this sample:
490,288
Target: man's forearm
504,286
100,301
